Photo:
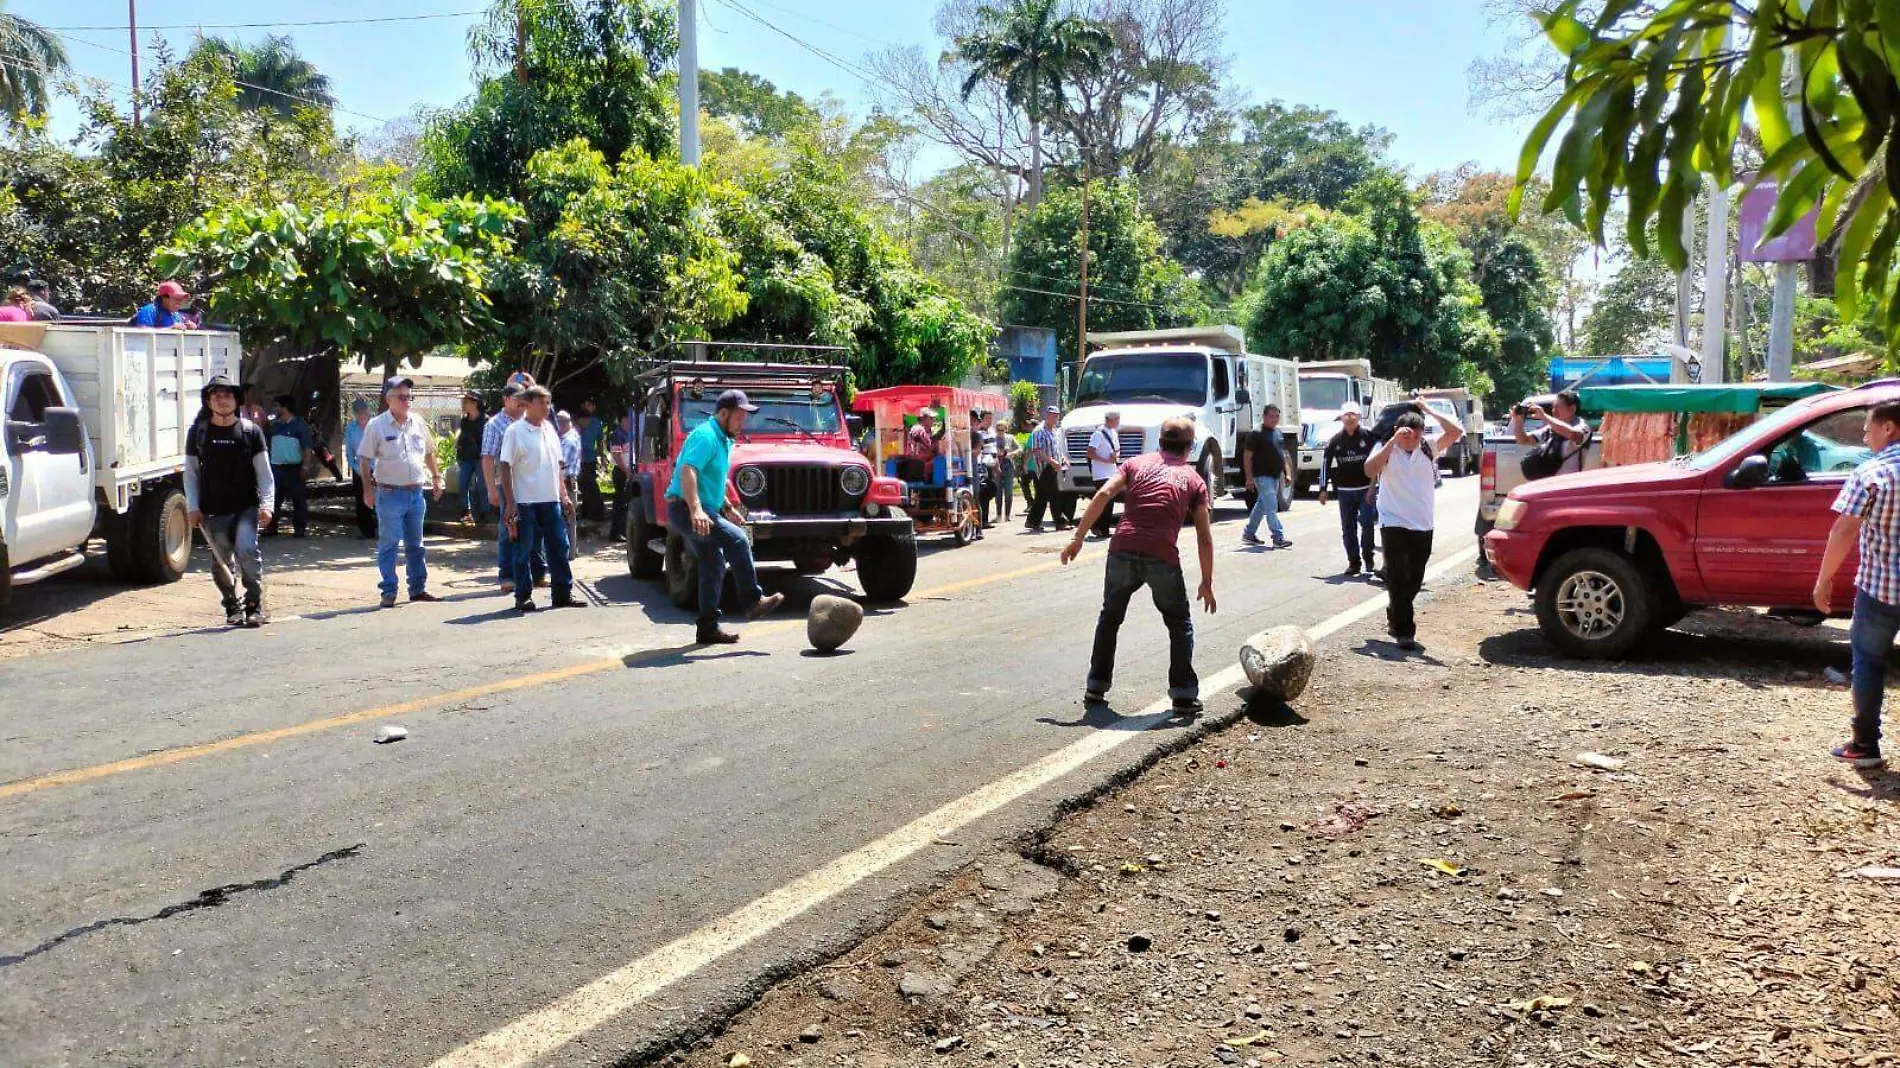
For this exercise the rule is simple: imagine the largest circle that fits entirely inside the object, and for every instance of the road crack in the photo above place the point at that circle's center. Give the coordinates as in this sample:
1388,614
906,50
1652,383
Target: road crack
206,899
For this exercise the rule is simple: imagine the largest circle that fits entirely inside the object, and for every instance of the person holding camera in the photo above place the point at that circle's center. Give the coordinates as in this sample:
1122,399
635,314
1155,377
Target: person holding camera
1406,471
1558,448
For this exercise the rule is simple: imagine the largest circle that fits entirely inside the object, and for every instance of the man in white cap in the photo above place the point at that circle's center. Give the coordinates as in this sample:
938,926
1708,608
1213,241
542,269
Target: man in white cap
1342,471
399,464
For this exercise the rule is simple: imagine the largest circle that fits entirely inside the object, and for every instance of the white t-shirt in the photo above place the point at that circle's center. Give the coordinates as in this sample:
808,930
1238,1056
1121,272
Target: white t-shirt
533,456
1102,441
398,453
1406,487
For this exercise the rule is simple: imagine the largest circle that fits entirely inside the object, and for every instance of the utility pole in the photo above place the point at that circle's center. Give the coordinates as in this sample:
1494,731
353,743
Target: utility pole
132,27
1715,273
689,83
1781,315
1082,305
1685,280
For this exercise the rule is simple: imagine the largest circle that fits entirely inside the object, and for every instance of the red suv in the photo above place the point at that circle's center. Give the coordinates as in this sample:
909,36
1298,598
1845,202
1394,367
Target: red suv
811,498
1617,554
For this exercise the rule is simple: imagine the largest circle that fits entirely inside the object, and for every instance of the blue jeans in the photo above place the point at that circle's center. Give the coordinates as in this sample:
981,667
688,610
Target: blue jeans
1266,504
1871,635
399,516
1128,572
1356,509
505,556
543,534
724,547
474,489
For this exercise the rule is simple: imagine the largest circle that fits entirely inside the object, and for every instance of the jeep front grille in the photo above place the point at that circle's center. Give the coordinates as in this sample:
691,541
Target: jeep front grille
804,489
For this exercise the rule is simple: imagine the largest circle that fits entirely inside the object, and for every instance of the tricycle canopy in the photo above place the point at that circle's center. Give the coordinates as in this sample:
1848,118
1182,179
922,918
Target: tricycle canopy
1736,399
892,403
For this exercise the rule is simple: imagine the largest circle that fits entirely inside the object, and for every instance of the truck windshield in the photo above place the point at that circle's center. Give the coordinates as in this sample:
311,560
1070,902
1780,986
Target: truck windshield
1768,428
1158,377
1326,394
1444,408
779,413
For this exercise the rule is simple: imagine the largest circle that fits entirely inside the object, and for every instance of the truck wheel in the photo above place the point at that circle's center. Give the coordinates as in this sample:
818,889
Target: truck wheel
161,538
1595,604
1213,472
682,573
642,561
6,579
119,557
887,567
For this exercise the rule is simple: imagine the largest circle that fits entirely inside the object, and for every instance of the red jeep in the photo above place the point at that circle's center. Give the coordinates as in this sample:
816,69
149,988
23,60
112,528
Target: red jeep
1617,554
812,499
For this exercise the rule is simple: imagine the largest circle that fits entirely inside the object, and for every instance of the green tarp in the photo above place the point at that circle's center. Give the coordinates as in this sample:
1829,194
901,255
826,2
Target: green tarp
1738,399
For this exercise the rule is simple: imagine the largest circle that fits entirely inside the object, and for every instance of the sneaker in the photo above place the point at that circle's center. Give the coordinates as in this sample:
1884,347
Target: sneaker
425,597
765,604
569,602
715,636
1251,539
1379,574
1282,543
1860,755
1409,645
255,618
522,604
1094,697
1188,706
233,618
1352,570
389,600
1033,528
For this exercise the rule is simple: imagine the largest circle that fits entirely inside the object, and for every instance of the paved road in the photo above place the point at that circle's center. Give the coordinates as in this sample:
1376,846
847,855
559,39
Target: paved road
578,788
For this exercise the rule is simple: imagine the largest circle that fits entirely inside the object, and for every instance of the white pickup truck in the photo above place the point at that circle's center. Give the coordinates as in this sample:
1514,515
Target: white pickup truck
93,444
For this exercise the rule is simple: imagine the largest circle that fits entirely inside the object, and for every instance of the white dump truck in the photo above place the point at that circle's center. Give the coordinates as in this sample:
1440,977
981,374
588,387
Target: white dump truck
94,445
1151,376
1458,405
1326,387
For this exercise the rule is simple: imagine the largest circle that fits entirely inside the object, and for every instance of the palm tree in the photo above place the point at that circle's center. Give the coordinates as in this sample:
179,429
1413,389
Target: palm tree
1031,48
30,57
272,75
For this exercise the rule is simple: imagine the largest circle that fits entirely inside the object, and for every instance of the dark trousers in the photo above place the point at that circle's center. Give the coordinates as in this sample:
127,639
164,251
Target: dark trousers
1871,636
290,484
593,505
1357,520
365,514
1050,499
724,546
541,539
1406,554
1105,525
1128,572
621,500
986,496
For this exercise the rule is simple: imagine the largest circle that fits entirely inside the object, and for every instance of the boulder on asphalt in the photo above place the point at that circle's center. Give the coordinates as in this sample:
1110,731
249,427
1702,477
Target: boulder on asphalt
832,621
1279,662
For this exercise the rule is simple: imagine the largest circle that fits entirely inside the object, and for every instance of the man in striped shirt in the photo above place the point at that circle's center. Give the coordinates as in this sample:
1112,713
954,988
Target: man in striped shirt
1051,459
1869,512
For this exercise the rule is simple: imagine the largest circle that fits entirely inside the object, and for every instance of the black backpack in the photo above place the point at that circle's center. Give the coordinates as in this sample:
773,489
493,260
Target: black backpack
1549,456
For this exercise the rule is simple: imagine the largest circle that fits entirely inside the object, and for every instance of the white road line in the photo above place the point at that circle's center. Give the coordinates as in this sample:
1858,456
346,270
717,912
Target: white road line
545,1030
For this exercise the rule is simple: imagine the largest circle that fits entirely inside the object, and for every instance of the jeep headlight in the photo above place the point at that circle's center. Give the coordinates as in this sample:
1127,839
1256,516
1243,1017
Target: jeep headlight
854,481
1510,514
751,482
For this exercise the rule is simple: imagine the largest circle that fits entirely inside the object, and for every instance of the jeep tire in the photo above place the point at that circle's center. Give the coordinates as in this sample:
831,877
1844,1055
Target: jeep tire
887,567
1595,604
681,570
642,561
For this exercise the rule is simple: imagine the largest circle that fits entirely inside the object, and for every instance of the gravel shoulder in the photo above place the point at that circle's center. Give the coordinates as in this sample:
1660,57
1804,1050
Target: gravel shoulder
1416,868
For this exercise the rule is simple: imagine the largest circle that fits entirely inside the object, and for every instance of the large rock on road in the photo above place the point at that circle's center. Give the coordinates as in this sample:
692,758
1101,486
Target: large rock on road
832,621
1279,662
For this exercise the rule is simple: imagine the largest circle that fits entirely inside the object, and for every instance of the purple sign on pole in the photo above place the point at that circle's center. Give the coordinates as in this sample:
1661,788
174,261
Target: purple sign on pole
1796,245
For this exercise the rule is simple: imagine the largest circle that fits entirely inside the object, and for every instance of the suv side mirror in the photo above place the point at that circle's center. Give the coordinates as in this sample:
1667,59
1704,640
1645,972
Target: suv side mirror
1753,471
65,432
1242,396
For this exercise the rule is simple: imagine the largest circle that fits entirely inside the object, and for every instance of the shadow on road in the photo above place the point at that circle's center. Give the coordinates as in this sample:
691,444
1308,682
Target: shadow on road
1266,711
1385,650
673,656
1706,643
1102,716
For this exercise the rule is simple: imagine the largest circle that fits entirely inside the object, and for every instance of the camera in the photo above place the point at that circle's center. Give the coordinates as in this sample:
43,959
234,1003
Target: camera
1520,409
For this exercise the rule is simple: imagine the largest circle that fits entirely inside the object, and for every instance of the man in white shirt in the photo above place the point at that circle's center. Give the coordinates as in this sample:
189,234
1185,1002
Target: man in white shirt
534,499
1407,473
397,462
1105,458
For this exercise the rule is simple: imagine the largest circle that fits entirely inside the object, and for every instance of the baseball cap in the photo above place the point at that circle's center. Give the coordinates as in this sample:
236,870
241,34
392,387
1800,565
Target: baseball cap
1052,410
395,381
172,289
510,390
735,398
1349,408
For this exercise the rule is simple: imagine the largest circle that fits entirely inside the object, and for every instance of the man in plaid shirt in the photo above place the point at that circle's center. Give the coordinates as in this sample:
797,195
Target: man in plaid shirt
1869,511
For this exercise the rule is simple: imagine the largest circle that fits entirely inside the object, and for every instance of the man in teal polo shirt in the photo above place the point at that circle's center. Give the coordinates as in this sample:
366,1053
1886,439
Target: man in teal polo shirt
699,506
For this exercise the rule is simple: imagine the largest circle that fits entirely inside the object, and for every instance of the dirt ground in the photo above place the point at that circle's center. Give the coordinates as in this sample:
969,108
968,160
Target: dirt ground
1416,869
329,571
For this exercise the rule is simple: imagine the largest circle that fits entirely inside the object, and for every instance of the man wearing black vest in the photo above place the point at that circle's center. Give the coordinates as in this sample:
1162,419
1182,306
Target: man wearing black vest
228,494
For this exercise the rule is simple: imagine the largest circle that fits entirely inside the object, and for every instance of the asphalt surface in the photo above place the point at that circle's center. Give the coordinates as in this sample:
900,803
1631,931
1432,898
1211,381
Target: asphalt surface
577,788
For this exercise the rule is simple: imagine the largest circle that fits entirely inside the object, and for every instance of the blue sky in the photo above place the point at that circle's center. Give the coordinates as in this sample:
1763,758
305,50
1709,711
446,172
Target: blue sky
1395,63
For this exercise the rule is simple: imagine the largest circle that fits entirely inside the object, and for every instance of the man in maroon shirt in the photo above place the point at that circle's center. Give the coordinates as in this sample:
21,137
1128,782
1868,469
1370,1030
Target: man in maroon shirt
1158,491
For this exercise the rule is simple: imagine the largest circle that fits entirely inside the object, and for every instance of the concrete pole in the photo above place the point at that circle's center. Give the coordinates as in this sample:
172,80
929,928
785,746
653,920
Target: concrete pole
1082,305
689,83
132,26
1685,281
1781,325
1715,291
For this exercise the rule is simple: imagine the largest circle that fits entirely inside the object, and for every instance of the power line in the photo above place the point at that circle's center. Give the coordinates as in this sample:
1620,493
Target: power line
268,25
829,57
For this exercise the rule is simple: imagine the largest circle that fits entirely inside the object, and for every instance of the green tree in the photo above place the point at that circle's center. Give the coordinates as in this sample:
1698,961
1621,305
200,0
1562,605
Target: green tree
1632,312
1511,277
592,69
272,75
756,106
1031,49
1655,102
1132,284
393,275
30,58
